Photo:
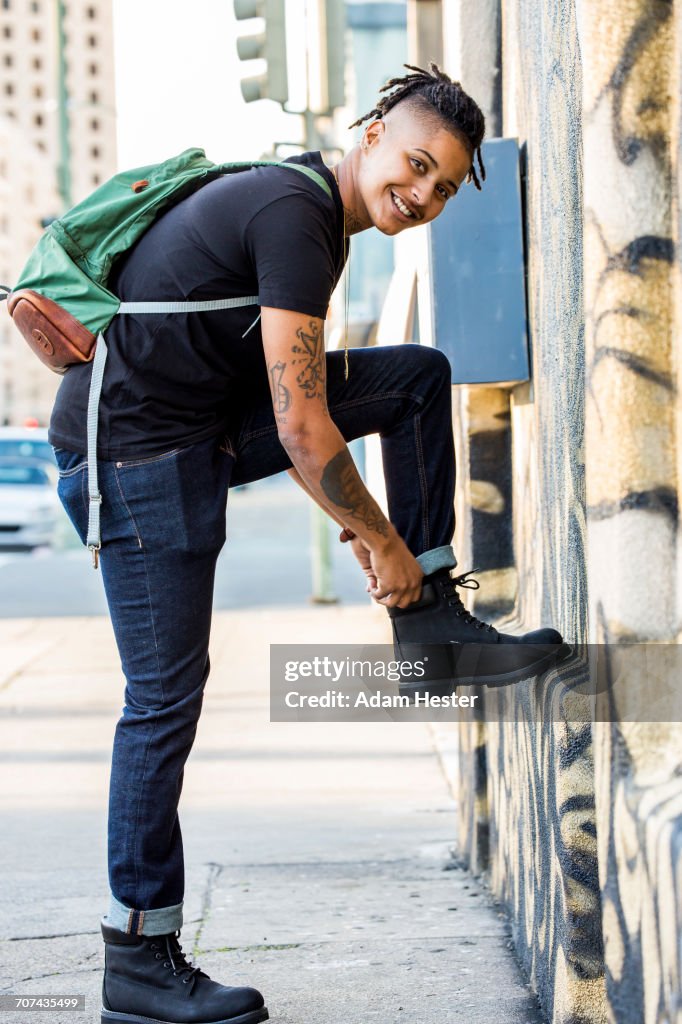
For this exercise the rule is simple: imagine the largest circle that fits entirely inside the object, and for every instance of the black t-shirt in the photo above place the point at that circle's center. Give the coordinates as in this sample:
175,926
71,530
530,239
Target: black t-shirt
175,379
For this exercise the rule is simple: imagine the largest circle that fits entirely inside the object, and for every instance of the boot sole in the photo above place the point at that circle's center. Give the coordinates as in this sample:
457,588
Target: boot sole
518,675
441,687
434,687
114,1017
439,677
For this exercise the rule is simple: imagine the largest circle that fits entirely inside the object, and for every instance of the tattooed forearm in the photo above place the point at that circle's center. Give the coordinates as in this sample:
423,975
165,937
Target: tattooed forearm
342,485
310,353
281,396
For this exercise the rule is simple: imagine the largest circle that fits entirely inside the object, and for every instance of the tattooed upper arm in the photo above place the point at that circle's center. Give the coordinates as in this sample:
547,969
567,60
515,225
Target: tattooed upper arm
293,344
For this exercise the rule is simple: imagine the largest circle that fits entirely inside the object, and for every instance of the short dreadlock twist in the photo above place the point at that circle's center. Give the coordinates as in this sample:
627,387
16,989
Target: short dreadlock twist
447,98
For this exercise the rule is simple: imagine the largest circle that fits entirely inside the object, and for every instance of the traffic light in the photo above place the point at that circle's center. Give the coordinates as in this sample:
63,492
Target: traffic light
268,44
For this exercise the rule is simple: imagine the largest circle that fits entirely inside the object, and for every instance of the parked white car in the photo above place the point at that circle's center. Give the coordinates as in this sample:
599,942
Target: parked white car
30,442
29,506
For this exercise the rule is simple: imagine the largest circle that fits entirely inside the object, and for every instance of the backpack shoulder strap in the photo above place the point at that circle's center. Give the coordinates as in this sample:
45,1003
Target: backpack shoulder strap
308,171
94,541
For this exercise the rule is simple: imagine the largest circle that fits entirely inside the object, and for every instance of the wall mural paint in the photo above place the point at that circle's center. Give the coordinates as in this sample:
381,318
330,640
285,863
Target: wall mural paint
628,260
584,824
631,409
543,848
543,852
540,795
472,800
640,830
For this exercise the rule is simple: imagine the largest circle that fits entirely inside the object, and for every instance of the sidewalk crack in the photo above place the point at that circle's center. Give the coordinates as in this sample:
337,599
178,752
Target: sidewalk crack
28,662
51,974
214,873
52,935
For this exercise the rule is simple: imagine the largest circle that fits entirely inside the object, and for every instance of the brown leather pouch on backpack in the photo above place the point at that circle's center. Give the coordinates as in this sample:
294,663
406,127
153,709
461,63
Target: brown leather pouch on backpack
56,337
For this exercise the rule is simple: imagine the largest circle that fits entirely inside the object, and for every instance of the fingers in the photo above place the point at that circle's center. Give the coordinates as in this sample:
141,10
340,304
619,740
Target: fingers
410,598
398,576
388,601
398,598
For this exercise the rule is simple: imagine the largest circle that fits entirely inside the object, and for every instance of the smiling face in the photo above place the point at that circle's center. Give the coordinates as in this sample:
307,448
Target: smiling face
410,168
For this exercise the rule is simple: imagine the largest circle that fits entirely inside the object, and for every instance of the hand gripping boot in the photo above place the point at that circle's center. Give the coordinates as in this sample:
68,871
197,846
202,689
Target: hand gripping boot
458,648
147,980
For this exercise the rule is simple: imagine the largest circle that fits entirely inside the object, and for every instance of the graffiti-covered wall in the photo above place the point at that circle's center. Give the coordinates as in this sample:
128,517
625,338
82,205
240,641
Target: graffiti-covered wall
631,101
579,826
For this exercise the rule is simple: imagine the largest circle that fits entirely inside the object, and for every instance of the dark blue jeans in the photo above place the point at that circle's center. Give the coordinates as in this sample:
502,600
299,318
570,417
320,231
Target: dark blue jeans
163,525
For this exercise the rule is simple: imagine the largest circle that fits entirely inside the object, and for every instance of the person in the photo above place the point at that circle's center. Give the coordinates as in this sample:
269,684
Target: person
194,404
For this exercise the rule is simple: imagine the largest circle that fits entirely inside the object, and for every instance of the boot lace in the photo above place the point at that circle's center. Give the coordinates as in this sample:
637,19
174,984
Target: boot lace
455,601
176,958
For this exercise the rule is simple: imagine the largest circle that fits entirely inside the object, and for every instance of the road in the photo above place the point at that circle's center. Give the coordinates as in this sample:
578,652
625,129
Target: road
266,561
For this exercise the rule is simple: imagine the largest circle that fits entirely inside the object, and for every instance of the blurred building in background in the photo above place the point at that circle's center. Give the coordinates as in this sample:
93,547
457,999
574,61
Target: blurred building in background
57,143
27,189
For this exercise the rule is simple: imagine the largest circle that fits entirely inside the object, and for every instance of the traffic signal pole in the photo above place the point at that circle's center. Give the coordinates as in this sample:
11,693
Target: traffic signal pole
325,68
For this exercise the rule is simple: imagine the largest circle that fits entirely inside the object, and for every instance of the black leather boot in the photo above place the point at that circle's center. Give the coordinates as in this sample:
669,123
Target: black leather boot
147,980
459,648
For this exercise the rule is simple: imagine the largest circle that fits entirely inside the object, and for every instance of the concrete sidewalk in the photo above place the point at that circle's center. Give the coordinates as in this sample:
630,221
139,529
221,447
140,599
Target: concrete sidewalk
319,856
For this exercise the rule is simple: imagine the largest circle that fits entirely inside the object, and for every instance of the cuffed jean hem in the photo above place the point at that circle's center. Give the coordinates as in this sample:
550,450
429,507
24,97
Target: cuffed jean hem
144,922
437,558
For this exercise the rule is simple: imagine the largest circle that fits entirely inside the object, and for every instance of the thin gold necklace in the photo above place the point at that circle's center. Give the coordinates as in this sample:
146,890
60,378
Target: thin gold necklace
346,279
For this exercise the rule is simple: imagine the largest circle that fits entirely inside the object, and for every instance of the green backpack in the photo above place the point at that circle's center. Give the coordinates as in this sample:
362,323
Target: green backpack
61,303
72,261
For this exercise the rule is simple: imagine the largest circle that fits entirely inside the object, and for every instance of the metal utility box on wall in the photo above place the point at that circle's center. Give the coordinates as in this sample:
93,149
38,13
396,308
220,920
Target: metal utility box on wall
477,275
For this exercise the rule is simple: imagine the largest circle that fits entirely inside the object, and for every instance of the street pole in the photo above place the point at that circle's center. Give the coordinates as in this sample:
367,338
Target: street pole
64,167
323,586
322,582
425,31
